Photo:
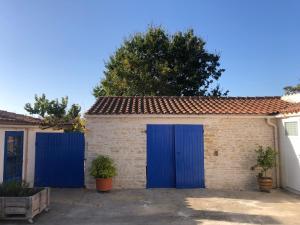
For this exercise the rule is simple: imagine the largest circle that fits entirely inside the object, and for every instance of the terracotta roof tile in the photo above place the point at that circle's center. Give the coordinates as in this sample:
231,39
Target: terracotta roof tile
9,118
188,105
294,108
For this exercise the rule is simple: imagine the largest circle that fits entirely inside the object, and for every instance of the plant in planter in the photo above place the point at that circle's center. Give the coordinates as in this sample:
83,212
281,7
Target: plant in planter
19,202
103,170
266,158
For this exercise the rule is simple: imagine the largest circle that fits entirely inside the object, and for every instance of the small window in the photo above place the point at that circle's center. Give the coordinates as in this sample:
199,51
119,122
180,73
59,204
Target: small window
291,128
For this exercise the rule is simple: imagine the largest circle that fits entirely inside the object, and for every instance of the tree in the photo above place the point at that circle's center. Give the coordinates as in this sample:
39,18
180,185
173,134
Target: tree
55,115
266,159
289,90
157,63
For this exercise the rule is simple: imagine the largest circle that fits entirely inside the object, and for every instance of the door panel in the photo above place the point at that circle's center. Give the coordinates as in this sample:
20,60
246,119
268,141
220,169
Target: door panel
13,156
160,156
189,156
59,160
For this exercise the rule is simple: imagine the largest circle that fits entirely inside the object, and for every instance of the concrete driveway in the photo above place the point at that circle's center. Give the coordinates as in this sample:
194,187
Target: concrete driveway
170,206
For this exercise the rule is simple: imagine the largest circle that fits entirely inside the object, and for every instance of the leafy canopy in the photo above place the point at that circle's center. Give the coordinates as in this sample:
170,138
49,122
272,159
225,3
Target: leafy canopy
158,63
103,167
55,114
289,90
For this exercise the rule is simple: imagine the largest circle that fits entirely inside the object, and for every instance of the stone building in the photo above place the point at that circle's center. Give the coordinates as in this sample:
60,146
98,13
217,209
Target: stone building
183,141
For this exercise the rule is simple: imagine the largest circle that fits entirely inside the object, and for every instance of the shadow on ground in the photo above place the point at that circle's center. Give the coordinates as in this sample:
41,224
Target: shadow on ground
170,206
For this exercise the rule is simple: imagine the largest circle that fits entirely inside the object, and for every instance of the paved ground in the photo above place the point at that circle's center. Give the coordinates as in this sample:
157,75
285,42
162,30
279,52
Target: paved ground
170,206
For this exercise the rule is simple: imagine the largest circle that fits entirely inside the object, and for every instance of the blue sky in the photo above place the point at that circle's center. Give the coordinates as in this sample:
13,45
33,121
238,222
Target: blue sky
58,47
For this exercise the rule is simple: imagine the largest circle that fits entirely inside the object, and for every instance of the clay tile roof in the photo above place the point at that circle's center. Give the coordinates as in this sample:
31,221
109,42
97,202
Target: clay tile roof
187,105
293,108
9,118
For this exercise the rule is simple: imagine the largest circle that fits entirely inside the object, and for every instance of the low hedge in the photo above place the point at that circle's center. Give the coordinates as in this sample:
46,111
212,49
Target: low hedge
17,189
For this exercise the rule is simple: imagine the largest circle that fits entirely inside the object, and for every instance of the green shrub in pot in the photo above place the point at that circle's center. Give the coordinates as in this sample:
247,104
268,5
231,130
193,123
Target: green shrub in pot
103,169
266,160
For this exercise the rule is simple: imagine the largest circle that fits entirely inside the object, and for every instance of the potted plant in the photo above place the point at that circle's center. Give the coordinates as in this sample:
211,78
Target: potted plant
266,158
103,170
19,202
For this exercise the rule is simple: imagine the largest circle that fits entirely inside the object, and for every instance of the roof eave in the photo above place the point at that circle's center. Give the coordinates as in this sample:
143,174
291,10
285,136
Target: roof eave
178,115
285,115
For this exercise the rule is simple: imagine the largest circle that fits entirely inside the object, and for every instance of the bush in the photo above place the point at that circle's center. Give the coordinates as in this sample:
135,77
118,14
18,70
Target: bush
16,189
103,167
266,158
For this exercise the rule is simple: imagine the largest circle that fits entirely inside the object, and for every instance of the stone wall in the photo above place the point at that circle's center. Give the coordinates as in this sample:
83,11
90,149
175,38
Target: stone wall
229,143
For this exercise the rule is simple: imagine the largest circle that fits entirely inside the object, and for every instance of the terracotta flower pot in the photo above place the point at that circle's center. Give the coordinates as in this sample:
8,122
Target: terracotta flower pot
265,184
103,184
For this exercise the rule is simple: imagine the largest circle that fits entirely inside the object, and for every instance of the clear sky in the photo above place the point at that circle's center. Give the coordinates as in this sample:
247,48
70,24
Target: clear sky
58,47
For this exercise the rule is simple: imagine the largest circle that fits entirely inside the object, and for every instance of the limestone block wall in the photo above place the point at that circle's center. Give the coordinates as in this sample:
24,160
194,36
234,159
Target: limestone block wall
229,143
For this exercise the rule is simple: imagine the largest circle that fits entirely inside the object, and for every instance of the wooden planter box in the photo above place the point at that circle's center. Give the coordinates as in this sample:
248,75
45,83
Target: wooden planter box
24,208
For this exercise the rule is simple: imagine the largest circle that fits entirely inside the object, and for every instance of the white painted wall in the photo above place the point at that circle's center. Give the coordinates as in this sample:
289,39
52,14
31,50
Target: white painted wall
294,98
289,155
28,171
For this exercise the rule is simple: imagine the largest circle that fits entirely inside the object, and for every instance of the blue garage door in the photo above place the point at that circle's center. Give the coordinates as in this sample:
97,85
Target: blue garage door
160,156
189,156
175,156
59,160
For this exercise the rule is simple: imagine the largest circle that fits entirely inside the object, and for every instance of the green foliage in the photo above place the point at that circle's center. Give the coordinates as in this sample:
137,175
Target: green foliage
16,189
55,114
103,167
289,90
266,159
157,63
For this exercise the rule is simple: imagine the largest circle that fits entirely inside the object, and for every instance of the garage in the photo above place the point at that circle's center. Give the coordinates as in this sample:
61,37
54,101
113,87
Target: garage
182,142
175,156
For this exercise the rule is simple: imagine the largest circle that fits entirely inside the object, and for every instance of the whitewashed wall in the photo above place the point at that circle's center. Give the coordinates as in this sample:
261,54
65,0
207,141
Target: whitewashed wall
290,155
294,98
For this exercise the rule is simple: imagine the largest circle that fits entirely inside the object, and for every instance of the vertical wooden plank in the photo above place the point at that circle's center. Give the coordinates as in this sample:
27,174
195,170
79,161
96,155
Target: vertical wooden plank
189,156
59,160
160,156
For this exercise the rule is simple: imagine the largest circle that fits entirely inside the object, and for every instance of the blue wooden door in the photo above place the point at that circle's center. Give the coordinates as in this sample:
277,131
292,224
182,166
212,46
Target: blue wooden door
160,156
13,156
59,160
175,156
189,156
